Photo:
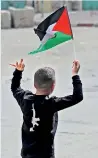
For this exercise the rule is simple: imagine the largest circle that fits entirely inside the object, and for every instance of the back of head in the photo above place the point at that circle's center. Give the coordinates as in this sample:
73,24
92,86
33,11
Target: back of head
44,78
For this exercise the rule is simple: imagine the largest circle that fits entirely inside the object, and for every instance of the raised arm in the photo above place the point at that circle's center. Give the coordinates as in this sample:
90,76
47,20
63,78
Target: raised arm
61,103
17,91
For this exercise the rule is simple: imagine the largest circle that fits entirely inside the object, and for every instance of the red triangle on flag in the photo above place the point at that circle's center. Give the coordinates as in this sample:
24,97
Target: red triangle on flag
63,24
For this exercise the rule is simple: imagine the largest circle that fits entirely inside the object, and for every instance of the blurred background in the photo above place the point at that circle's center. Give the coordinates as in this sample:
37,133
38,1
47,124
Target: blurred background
25,13
51,5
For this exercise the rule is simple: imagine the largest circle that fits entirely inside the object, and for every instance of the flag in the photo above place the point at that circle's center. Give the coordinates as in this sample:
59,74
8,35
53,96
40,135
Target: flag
54,30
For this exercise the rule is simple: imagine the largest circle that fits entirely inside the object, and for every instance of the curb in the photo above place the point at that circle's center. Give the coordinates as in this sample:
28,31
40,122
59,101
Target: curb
87,25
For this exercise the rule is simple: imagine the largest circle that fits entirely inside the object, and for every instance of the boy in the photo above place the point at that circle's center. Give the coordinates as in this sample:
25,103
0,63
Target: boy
40,117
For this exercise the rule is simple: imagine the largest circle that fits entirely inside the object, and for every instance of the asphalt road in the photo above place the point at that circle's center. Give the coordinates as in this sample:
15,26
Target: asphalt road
77,134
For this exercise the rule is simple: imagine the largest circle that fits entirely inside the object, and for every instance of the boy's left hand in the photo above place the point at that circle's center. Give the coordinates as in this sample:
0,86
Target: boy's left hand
19,66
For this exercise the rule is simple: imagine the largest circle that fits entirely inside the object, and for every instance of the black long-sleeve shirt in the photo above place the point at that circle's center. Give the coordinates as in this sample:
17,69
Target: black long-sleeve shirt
38,136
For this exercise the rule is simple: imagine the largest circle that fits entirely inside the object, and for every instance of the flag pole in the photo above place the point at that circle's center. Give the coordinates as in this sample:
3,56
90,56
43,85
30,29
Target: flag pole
74,49
42,9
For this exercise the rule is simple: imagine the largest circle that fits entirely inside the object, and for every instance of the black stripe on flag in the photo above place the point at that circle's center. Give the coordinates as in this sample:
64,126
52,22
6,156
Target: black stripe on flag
43,26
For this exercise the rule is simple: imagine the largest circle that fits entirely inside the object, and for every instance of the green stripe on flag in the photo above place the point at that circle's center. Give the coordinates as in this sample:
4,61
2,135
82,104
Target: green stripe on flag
52,42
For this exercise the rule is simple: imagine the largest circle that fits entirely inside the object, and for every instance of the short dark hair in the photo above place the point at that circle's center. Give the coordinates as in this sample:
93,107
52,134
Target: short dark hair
44,77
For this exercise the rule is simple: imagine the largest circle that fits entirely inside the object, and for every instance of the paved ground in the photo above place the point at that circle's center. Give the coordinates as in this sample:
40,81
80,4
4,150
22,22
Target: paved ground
78,126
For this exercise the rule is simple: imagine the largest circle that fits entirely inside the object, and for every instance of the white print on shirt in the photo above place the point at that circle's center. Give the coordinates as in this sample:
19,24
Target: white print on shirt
34,119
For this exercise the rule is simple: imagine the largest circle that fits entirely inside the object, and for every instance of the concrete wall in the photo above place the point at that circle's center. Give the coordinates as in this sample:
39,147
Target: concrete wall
83,18
5,19
26,18
22,17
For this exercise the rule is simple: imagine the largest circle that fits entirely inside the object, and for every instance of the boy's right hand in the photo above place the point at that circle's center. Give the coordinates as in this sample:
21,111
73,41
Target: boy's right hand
75,68
19,66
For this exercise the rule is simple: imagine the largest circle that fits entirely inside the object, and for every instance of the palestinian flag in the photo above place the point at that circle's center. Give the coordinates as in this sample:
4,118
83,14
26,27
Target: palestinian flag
54,30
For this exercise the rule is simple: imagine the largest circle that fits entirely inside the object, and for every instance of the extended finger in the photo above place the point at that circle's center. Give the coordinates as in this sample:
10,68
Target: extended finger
16,64
13,65
20,63
21,60
23,65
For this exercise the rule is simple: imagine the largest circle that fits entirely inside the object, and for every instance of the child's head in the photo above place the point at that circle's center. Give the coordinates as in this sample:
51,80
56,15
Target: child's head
44,80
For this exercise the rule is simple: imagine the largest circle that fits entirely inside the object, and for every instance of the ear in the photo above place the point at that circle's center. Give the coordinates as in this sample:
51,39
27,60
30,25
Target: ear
53,86
35,86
